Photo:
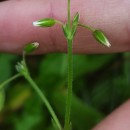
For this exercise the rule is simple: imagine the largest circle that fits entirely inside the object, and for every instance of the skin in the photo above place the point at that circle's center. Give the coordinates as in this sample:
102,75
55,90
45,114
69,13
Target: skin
16,17
117,120
112,16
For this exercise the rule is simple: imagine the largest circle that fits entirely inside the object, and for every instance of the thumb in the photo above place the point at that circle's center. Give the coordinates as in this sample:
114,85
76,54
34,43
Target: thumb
16,19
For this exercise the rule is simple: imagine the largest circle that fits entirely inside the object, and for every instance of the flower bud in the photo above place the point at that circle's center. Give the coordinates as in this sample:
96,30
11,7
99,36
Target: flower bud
101,38
31,47
47,22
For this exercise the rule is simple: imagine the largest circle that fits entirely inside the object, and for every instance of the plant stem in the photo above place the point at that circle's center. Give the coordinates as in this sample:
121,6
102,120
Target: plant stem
44,99
59,22
69,13
70,75
9,80
88,27
70,80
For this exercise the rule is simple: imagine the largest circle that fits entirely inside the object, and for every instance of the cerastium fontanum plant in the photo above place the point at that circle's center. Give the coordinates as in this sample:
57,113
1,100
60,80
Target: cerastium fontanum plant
69,29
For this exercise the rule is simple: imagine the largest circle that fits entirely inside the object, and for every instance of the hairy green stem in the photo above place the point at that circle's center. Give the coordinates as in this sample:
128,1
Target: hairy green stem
9,80
70,80
44,99
69,13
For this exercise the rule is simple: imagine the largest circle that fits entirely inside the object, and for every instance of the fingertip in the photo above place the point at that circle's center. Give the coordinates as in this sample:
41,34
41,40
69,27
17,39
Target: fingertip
117,120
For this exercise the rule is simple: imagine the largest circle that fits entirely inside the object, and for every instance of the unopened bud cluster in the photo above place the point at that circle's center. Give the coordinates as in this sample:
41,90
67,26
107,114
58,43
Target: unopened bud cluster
70,32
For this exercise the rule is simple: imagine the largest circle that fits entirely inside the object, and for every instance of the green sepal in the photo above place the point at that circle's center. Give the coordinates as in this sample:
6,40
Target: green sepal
29,48
21,68
2,99
47,22
101,38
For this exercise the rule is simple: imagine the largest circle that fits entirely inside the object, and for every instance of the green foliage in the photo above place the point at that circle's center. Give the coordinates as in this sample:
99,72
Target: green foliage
31,115
6,66
96,77
2,99
5,71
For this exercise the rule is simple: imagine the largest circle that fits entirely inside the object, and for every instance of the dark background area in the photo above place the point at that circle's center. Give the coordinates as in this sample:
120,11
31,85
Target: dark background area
101,84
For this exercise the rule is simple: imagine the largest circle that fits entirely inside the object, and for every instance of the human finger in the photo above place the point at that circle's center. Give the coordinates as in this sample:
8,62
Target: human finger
16,19
117,120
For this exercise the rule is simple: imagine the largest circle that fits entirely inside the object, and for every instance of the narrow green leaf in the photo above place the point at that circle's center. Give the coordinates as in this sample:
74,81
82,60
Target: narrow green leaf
73,31
66,30
2,99
76,19
75,24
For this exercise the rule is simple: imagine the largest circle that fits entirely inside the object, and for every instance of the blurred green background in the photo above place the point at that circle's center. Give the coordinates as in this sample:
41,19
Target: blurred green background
101,84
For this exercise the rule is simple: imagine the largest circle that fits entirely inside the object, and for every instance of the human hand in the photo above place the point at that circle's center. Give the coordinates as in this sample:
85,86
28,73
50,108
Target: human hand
16,17
118,120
